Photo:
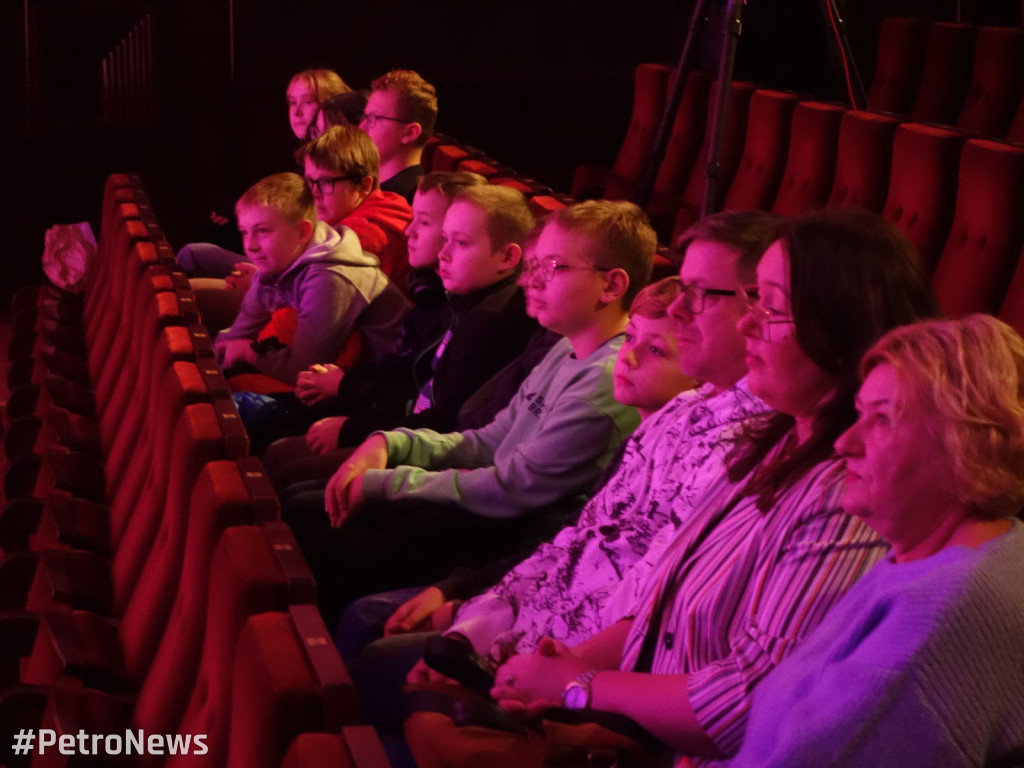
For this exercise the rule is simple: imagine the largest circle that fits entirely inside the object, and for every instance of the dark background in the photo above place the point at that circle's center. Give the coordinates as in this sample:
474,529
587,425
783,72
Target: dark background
542,85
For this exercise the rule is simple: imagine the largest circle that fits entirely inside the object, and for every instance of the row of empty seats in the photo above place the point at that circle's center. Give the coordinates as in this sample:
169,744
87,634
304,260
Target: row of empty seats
145,581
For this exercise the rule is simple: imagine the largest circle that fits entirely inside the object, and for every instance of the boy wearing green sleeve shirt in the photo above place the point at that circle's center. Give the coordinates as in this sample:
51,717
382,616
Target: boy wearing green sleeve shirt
409,505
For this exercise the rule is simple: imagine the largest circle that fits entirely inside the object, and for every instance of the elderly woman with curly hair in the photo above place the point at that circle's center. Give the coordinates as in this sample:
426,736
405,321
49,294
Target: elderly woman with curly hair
922,662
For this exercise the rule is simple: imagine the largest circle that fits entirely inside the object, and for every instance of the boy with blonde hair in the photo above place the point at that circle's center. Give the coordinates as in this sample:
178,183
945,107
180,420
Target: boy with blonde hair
466,498
324,276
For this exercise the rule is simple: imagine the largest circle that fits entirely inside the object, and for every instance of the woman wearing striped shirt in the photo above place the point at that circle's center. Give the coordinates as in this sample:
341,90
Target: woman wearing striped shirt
770,550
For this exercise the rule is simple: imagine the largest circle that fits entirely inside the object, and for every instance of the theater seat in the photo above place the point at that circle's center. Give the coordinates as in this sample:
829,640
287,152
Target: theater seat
901,54
288,679
946,74
997,82
357,746
764,151
862,161
922,186
985,239
811,159
1012,311
650,86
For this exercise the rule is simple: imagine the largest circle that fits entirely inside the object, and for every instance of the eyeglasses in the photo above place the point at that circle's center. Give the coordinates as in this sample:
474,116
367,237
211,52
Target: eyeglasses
369,120
764,317
548,268
693,297
325,184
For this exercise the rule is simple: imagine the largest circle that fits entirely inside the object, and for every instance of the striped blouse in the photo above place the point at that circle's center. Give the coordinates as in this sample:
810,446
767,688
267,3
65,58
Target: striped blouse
740,591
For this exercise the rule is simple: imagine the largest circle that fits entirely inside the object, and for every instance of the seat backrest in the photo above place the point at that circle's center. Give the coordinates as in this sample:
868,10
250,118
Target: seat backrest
1012,311
811,160
922,186
731,149
686,137
997,81
985,238
862,161
650,91
255,569
288,679
764,151
1016,132
946,74
901,47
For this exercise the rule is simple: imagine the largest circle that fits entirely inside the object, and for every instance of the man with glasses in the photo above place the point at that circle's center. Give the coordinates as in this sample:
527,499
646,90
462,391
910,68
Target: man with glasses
399,116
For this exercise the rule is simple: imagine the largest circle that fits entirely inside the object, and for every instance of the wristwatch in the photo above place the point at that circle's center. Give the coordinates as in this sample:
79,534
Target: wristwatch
577,693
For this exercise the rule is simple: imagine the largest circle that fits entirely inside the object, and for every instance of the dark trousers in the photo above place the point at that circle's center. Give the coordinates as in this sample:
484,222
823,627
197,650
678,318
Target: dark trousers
400,544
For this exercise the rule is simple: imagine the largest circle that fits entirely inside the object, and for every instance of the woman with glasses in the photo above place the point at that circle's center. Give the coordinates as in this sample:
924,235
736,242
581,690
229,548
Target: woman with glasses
768,550
922,662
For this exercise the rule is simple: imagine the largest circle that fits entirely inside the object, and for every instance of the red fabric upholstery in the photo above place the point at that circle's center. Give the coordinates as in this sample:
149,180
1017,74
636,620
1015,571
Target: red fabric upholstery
901,49
288,679
542,205
810,162
862,161
683,143
358,746
448,156
650,86
922,186
764,151
254,570
226,560
985,239
1016,132
946,74
997,82
225,494
1012,311
663,206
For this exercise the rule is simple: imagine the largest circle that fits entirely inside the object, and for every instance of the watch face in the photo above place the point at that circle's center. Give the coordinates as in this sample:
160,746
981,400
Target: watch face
576,697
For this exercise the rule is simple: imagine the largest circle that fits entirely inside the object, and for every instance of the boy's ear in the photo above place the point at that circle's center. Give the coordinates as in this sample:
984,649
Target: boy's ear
412,132
366,185
511,255
306,227
616,283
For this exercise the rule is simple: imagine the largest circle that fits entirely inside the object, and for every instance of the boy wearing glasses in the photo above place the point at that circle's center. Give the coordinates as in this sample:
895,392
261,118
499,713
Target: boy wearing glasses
399,116
342,170
409,505
331,285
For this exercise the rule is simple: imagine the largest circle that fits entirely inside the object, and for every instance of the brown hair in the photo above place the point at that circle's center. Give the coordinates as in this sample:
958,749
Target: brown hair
449,182
344,150
417,99
654,300
621,238
508,214
749,233
853,276
323,82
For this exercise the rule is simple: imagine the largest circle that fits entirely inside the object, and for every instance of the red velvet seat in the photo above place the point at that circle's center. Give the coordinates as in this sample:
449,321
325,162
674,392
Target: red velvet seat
683,146
287,679
922,186
862,161
669,209
901,54
811,159
764,151
357,746
997,82
946,74
985,239
1012,311
650,86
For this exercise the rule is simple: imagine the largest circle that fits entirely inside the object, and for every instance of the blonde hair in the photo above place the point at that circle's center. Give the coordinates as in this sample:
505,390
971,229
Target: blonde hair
508,214
323,82
621,238
285,192
970,373
344,150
